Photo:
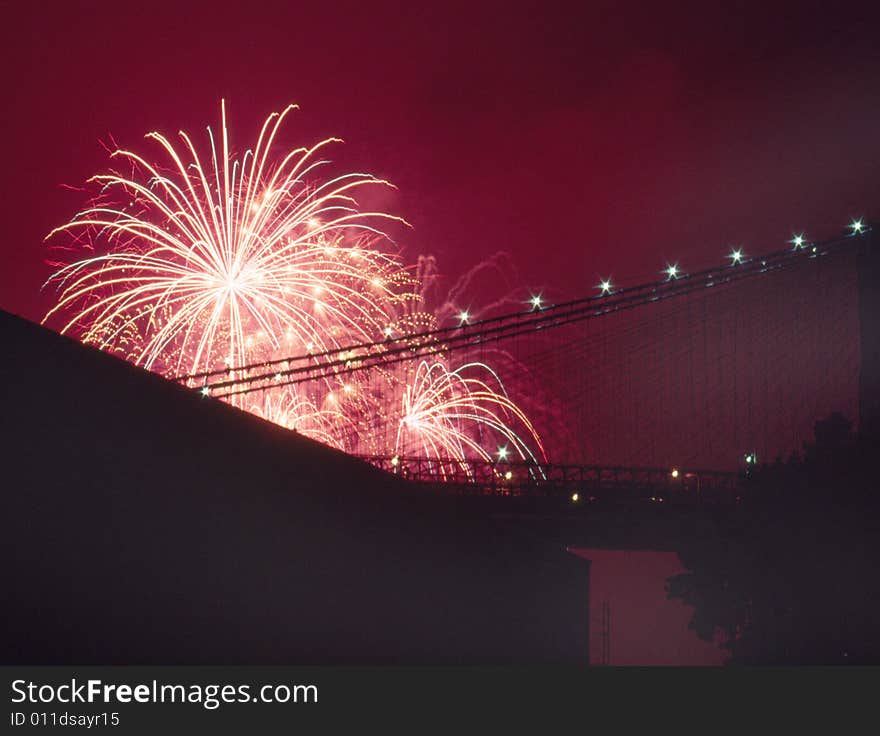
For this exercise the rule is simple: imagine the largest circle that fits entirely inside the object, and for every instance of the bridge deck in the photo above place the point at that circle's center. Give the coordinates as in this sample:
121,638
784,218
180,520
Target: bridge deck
577,483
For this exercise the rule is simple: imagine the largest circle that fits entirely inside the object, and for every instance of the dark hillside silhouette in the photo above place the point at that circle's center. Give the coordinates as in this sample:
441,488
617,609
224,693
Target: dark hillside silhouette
142,523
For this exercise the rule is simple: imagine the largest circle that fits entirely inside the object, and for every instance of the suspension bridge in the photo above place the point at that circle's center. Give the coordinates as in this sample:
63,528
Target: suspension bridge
665,390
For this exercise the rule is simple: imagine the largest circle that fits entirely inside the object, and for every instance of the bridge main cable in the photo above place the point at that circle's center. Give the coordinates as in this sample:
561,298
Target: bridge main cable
367,355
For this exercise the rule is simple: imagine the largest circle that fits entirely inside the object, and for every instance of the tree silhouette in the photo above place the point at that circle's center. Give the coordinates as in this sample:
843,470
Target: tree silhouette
790,577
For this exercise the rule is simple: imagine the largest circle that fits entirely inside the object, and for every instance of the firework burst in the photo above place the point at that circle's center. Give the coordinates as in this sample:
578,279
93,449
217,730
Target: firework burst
453,415
212,264
208,262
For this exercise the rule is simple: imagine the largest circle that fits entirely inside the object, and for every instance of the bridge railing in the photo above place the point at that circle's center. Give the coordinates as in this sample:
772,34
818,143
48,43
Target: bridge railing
576,483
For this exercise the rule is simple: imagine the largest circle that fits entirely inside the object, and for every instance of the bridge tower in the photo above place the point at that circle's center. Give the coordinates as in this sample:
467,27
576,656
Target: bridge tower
868,265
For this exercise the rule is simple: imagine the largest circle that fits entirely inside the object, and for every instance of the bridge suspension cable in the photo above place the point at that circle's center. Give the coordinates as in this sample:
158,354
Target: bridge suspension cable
244,379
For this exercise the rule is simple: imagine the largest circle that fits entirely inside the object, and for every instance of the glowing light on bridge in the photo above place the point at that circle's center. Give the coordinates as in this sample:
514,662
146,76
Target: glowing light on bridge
736,256
671,271
536,301
464,317
605,286
797,241
857,227
674,473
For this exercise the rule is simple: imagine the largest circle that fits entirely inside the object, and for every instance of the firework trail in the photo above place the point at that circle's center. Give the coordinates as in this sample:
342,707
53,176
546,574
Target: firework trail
289,407
208,262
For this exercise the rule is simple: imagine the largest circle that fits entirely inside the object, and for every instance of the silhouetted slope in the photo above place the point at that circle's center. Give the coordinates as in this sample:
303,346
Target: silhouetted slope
142,523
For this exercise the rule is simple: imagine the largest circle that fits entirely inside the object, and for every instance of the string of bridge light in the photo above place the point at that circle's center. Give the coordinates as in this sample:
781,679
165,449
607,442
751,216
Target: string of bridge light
457,336
344,360
736,256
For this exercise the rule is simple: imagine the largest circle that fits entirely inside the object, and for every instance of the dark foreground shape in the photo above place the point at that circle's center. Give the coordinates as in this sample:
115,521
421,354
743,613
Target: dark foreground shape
142,523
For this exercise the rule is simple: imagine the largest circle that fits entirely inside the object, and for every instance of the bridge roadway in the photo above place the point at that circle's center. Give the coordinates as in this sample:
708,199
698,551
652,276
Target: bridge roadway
574,484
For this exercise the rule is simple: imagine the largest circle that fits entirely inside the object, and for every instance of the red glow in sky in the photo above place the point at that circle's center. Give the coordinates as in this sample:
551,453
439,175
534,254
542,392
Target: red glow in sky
586,140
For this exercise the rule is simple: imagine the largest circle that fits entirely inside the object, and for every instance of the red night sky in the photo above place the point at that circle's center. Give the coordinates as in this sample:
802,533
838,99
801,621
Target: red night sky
584,140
